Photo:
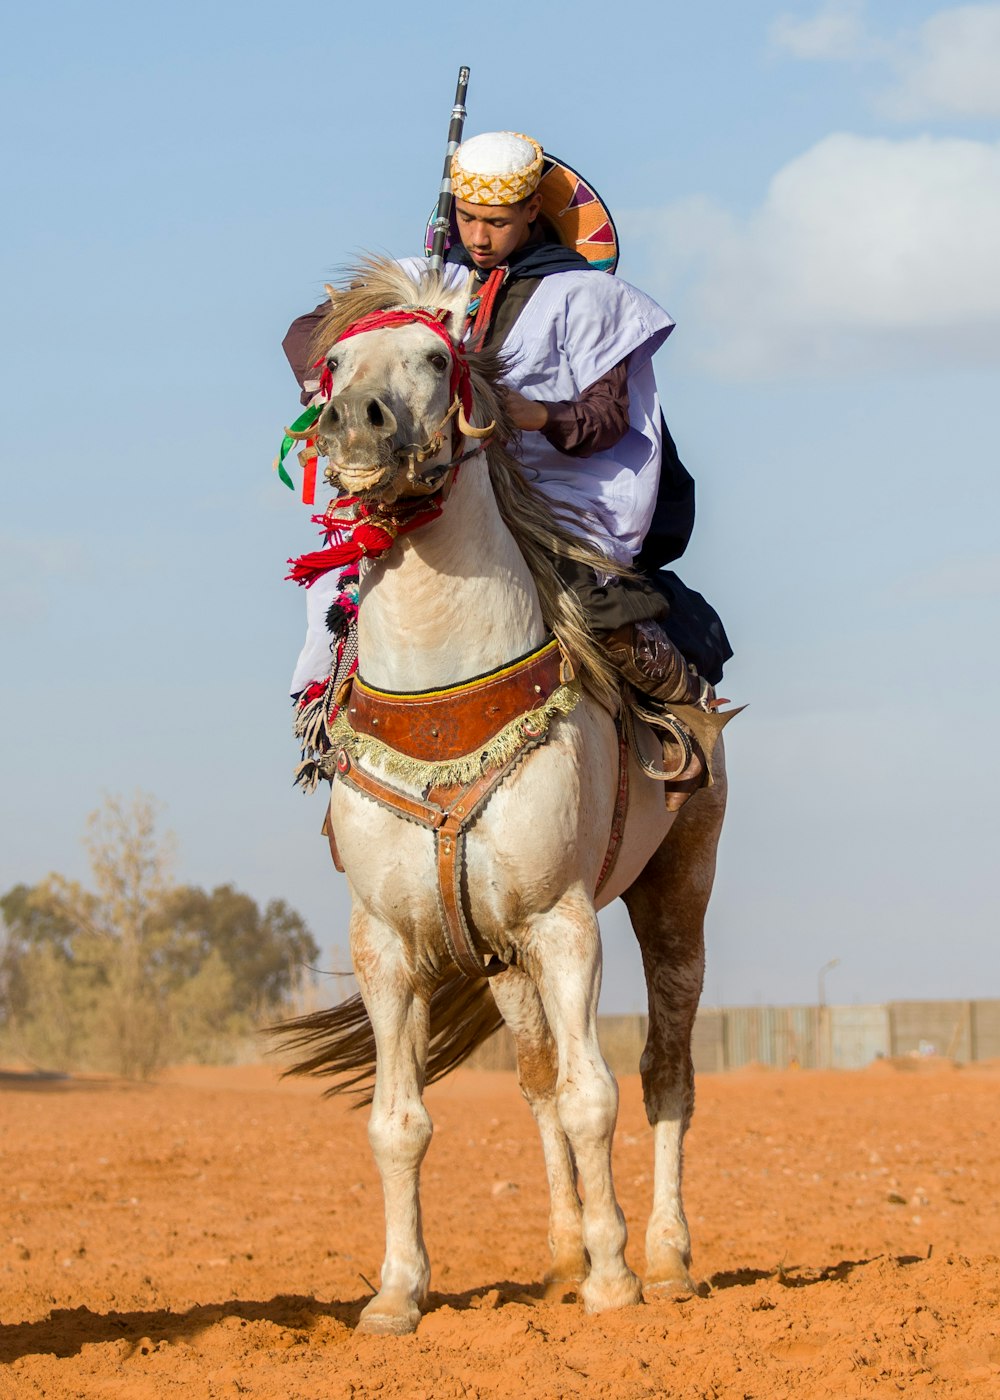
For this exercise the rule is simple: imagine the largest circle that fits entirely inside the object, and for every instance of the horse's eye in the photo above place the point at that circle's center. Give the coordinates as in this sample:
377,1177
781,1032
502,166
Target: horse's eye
438,360
331,363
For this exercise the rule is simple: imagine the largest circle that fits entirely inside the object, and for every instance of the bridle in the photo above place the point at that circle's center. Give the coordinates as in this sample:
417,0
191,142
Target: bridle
413,456
357,529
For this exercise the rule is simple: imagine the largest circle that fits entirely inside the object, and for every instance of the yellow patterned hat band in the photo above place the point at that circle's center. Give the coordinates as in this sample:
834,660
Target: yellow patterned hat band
499,167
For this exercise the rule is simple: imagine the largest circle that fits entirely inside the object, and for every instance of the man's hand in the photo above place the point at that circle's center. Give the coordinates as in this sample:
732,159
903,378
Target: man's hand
527,414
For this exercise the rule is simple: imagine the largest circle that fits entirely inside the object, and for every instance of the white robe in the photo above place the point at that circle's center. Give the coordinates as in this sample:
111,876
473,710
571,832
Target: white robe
576,327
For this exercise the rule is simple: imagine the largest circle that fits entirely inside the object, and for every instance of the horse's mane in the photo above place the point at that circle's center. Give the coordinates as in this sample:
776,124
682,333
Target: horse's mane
541,532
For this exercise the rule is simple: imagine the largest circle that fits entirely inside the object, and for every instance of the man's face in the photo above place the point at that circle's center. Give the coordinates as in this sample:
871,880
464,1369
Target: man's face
491,232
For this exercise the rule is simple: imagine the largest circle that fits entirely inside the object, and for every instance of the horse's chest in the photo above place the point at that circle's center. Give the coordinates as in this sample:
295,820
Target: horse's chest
534,838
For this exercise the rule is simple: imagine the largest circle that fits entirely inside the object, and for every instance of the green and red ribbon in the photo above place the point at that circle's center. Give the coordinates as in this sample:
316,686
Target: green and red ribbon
305,420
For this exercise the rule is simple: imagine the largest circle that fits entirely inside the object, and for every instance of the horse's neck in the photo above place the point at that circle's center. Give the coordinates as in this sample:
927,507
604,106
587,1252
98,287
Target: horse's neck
452,600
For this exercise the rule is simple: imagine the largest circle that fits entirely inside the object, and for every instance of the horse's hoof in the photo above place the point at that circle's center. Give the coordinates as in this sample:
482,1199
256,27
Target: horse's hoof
603,1295
565,1278
661,1288
668,1277
378,1321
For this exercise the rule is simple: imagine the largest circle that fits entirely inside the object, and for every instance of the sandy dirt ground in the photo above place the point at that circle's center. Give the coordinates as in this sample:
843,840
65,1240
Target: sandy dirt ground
214,1235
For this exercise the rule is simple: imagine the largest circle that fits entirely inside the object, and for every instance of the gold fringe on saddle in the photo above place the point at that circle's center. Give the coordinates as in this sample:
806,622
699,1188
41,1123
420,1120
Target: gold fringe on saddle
459,732
430,772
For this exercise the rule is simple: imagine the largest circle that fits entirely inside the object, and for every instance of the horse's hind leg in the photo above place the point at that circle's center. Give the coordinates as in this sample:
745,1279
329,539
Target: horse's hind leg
667,907
564,959
537,1073
399,1128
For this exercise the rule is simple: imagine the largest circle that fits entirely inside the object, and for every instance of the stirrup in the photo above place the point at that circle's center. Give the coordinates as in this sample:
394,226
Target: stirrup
685,769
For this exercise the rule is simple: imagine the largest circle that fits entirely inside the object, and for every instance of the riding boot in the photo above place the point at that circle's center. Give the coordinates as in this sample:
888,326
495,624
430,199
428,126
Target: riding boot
650,662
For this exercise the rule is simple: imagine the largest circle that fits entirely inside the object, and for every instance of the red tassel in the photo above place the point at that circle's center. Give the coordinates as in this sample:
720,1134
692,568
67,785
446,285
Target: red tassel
309,479
366,538
367,542
312,692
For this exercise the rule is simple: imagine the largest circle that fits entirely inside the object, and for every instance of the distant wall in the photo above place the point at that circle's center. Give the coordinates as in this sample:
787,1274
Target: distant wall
812,1037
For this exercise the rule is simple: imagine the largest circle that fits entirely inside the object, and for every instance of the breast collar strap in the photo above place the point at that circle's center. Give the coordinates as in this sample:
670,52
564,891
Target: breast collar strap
443,726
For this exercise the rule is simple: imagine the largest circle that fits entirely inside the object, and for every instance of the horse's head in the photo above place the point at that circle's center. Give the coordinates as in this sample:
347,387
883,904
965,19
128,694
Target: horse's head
393,375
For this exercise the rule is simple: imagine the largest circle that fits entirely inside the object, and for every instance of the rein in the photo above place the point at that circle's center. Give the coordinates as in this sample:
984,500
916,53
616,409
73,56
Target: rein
416,456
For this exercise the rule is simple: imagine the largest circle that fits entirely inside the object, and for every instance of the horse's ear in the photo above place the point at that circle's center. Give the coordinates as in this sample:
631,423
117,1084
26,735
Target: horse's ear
456,301
331,292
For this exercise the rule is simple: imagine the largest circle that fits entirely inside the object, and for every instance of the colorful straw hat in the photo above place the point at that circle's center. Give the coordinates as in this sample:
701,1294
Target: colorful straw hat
574,210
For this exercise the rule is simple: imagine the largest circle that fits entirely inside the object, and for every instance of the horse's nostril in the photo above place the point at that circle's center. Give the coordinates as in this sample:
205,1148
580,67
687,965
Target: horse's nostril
331,413
375,415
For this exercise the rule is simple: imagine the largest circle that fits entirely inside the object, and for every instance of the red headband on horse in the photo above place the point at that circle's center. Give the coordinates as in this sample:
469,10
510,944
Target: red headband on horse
416,315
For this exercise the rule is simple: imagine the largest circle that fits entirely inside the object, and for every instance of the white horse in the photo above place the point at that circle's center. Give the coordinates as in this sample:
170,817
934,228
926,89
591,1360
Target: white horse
462,596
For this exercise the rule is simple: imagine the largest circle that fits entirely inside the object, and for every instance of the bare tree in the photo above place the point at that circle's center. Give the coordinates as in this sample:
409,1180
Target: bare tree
120,930
137,969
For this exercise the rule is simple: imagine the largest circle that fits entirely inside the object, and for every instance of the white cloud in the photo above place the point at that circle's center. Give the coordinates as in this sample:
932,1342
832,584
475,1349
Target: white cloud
864,253
951,68
837,31
30,572
947,66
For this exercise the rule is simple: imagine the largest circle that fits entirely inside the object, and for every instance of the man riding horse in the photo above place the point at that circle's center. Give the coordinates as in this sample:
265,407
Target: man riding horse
491,780
580,388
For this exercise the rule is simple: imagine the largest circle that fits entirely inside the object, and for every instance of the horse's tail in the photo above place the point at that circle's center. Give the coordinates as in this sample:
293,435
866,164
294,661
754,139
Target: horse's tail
463,1015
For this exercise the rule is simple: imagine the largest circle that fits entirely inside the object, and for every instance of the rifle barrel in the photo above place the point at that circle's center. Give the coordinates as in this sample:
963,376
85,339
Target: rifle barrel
442,218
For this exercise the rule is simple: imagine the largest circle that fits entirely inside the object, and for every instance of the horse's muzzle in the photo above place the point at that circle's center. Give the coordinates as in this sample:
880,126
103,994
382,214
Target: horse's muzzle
356,432
357,413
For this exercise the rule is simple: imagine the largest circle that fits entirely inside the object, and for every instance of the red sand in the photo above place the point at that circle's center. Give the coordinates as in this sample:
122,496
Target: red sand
212,1235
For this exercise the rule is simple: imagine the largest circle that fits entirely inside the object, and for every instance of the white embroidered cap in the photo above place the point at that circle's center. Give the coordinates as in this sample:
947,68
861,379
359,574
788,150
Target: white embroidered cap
498,167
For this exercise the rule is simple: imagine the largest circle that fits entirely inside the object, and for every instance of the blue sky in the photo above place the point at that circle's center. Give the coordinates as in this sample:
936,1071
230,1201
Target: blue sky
812,190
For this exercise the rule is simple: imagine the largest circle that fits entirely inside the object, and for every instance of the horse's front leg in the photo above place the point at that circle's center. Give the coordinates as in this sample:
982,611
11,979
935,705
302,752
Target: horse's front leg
537,1072
565,947
399,1128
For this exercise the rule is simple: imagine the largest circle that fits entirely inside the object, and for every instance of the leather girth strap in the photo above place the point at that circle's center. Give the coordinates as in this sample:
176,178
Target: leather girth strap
447,811
620,812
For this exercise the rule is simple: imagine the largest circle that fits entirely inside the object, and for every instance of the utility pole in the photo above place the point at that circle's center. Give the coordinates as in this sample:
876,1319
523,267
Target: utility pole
827,967
824,1049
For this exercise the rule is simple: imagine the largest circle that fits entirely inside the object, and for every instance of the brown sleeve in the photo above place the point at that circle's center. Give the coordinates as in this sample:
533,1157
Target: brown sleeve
296,346
594,422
